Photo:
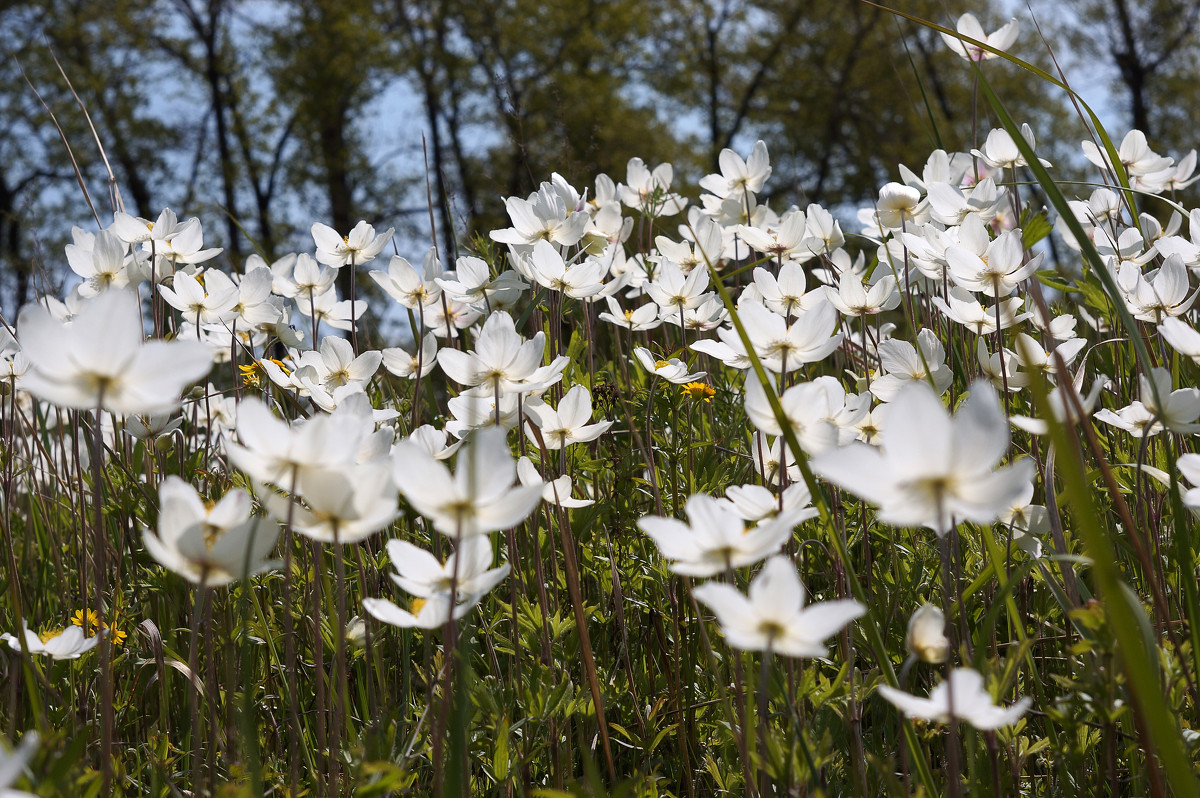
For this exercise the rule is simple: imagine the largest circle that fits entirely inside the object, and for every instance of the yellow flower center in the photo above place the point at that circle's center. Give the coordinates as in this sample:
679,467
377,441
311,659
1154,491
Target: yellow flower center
250,375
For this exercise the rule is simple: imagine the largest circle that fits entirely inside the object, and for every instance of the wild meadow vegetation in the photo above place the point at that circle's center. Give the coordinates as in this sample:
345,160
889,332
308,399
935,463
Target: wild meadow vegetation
667,492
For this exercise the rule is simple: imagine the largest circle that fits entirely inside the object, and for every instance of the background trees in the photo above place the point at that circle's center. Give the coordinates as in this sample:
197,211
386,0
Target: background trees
292,110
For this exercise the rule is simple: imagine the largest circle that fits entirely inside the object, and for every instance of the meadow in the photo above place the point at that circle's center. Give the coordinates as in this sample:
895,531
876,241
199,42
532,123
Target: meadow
668,493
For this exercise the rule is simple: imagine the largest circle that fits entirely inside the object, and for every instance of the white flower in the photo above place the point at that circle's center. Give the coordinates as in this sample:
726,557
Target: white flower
335,365
1146,168
210,545
1000,151
1189,469
428,613
67,644
420,574
926,637
409,287
755,502
569,423
904,366
716,538
298,276
774,617
478,498
968,25
897,207
346,504
271,449
551,213
785,347
649,191
360,246
806,407
557,491
932,469
100,260
577,281
996,273
739,177
11,766
636,320
971,702
671,289
100,358
1158,294
502,360
1182,337
408,365
971,313
784,294
851,298
673,370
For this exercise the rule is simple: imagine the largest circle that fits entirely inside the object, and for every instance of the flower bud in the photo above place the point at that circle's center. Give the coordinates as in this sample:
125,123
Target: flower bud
926,634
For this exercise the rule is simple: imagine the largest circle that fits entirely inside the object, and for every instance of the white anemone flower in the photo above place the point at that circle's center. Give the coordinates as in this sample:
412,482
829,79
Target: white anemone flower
568,423
1000,39
273,450
962,307
578,281
773,617
716,538
478,498
418,572
897,207
1000,151
430,613
997,272
926,638
755,502
70,643
739,177
502,360
904,365
100,358
1189,469
341,505
852,298
807,408
557,491
636,320
650,191
358,247
410,365
335,365
932,469
12,765
209,545
411,288
1158,294
552,213
673,370
784,294
971,702
99,259
781,346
